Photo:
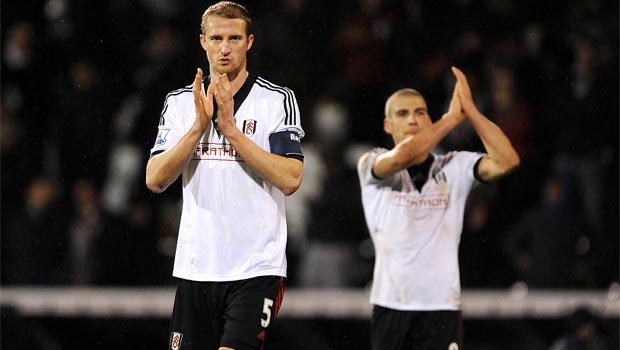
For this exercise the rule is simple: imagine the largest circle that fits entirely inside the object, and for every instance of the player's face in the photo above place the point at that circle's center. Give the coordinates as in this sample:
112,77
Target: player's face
407,116
226,44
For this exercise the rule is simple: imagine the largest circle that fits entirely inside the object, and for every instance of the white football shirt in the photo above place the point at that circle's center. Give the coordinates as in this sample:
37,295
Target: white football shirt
416,234
233,223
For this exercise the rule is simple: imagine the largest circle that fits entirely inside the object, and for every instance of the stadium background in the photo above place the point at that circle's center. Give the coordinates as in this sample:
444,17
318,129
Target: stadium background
83,83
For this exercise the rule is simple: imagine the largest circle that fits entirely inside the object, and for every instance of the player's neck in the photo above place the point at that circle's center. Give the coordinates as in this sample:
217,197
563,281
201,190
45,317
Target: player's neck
236,79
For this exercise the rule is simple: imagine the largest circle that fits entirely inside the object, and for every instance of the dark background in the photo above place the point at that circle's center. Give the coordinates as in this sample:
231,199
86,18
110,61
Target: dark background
83,83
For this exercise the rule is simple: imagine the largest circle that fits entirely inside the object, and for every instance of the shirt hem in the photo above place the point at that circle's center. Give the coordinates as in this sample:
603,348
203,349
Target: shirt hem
228,278
418,307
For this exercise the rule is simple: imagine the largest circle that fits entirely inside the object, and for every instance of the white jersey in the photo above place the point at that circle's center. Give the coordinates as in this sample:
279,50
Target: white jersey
416,235
233,223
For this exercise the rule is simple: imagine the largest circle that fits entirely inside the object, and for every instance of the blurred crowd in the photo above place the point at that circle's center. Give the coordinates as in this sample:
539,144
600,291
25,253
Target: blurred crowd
83,84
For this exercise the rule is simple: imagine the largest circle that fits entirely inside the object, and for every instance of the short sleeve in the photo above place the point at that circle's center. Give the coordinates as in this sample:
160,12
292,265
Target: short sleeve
285,139
287,114
468,162
169,131
365,165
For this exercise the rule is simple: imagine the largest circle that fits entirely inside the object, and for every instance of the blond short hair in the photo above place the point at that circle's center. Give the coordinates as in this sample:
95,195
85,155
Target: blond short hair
227,9
398,93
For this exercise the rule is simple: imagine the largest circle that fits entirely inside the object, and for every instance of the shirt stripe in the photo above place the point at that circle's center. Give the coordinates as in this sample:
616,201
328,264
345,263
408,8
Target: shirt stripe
291,112
162,120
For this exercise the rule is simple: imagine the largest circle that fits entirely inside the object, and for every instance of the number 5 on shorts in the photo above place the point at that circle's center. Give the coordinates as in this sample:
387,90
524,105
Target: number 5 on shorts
267,311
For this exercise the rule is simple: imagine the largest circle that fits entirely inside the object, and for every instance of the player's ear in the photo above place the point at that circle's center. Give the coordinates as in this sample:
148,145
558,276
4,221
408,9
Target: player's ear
387,126
203,42
250,41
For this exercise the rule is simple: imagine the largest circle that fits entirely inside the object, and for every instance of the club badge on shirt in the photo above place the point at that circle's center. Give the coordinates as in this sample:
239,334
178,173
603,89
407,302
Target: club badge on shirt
440,177
249,127
175,340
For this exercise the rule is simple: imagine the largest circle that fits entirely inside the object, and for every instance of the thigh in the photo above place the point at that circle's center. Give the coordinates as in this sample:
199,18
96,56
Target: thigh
251,307
437,330
196,321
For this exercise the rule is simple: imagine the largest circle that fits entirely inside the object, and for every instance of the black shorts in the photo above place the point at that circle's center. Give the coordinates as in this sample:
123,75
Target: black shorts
236,314
420,330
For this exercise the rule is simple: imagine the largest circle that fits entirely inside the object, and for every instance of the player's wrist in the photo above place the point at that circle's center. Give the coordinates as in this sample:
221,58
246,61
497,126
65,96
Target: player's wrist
470,108
229,130
226,125
199,127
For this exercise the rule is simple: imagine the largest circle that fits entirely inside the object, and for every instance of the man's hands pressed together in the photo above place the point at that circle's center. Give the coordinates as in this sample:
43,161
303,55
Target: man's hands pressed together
204,104
225,104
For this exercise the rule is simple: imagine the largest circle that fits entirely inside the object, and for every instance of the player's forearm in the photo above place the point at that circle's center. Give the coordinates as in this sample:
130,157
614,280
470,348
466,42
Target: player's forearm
415,149
284,173
497,145
164,168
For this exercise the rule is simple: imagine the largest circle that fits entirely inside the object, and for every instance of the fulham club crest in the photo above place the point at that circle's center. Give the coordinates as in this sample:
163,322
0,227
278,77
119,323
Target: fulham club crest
175,340
440,177
249,127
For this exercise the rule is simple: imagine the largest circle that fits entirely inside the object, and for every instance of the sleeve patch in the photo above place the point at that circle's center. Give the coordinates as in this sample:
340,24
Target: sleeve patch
161,136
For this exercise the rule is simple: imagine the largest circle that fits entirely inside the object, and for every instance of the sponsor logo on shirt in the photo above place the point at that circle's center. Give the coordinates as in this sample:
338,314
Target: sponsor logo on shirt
426,202
216,151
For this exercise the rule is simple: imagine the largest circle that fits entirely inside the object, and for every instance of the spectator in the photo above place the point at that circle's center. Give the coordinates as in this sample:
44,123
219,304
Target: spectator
336,226
357,50
584,139
542,245
584,103
128,250
582,333
82,123
34,244
87,227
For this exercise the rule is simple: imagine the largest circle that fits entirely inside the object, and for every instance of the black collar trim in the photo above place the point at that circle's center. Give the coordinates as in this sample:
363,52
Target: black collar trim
419,173
239,98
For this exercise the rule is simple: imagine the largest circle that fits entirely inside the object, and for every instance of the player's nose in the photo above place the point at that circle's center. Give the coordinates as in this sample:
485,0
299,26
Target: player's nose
225,48
412,119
